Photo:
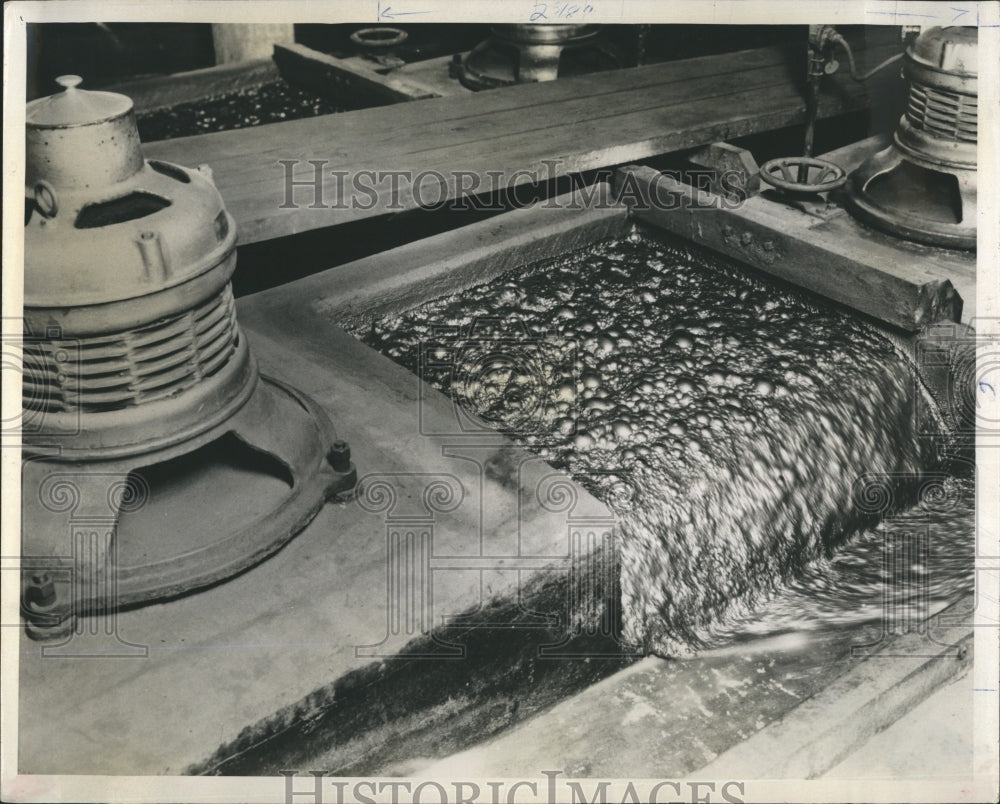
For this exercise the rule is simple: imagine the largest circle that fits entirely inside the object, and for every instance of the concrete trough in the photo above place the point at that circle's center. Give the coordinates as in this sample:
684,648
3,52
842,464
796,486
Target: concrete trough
320,657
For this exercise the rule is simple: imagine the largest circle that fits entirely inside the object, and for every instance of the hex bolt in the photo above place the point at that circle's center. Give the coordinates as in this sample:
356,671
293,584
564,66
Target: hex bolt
339,456
41,591
46,615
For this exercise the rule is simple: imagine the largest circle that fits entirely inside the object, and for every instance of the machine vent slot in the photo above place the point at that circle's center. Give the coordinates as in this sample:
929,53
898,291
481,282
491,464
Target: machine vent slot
945,114
174,172
129,207
125,369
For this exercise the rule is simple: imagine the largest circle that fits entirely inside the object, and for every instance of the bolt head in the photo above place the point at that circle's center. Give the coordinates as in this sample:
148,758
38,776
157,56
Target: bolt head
339,456
41,590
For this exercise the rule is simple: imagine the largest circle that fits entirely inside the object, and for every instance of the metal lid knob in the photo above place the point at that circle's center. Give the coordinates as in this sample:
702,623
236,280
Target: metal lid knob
74,106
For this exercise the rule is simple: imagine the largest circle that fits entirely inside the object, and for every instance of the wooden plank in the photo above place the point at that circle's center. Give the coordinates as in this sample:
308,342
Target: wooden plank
524,96
554,145
558,127
655,78
340,80
477,113
955,266
576,115
873,276
194,86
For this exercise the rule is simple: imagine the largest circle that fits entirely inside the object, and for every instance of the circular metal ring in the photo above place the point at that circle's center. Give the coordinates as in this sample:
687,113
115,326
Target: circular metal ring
45,199
821,175
379,37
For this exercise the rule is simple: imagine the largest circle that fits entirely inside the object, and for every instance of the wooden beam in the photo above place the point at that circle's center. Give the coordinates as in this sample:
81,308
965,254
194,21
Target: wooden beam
733,171
868,274
522,133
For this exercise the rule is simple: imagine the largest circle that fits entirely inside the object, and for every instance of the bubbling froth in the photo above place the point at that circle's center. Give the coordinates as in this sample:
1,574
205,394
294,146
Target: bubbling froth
738,415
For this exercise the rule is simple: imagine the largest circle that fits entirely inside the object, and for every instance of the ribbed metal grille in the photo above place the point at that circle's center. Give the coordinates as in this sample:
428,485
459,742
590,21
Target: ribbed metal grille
129,368
947,114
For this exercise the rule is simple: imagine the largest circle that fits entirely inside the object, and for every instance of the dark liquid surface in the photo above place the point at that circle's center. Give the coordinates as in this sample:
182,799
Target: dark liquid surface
270,103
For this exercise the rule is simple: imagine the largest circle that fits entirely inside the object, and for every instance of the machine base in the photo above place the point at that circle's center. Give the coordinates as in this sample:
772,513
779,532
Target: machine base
932,204
101,535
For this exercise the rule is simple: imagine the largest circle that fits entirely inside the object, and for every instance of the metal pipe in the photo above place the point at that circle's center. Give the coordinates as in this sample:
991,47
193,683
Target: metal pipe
812,110
836,38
